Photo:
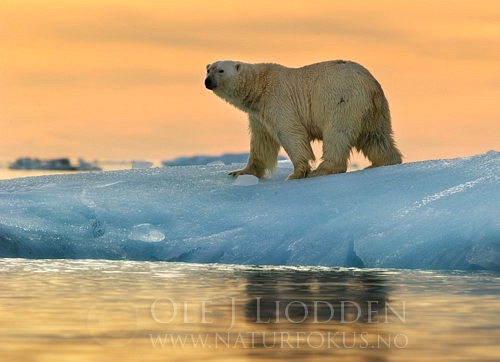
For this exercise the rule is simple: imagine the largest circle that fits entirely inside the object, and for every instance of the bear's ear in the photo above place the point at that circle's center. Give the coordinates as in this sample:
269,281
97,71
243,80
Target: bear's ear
208,66
238,65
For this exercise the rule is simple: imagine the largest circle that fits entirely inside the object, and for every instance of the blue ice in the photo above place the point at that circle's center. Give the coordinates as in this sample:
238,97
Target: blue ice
441,214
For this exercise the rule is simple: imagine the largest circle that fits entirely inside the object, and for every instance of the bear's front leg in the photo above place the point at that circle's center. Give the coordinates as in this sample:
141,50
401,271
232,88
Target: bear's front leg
249,169
298,148
264,150
299,171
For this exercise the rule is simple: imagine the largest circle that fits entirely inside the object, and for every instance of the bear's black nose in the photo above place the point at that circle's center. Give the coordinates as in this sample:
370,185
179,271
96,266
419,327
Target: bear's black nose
208,83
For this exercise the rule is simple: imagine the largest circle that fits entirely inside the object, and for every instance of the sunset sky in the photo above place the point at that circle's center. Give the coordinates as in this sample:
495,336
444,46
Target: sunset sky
124,79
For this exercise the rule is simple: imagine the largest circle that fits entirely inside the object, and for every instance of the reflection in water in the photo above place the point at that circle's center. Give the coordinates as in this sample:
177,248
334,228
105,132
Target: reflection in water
130,311
306,312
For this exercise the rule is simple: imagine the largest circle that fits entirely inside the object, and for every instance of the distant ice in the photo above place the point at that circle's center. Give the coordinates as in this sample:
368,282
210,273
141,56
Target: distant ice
441,214
224,159
141,165
285,164
59,164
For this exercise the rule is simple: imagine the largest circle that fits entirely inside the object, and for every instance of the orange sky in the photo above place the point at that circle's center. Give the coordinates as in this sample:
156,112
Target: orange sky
124,79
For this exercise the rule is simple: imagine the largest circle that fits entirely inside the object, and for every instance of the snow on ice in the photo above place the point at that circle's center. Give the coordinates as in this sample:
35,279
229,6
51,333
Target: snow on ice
442,214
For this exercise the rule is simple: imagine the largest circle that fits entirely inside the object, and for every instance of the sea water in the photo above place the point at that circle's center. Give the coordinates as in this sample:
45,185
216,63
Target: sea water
101,310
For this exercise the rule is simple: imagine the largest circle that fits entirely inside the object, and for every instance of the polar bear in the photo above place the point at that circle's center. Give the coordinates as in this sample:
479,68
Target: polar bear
338,102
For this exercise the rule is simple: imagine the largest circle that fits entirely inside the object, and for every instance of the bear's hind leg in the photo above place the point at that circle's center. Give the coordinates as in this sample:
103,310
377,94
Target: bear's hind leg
381,150
376,142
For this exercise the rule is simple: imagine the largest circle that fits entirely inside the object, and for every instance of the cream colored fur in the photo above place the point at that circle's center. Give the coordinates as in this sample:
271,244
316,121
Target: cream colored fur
338,102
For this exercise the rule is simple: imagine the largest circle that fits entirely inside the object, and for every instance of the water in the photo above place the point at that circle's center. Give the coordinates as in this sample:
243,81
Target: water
96,310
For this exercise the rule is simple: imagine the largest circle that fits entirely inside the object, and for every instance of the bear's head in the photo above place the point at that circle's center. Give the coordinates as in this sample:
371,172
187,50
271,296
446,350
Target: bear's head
221,75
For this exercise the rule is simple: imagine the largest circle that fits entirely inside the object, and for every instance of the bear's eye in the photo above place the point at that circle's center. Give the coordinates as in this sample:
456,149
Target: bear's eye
221,71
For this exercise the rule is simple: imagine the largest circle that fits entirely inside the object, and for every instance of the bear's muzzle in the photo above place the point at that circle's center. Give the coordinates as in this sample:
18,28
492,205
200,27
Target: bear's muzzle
209,83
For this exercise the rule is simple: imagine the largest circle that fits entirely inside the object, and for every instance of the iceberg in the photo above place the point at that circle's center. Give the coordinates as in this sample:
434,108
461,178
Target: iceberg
439,214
